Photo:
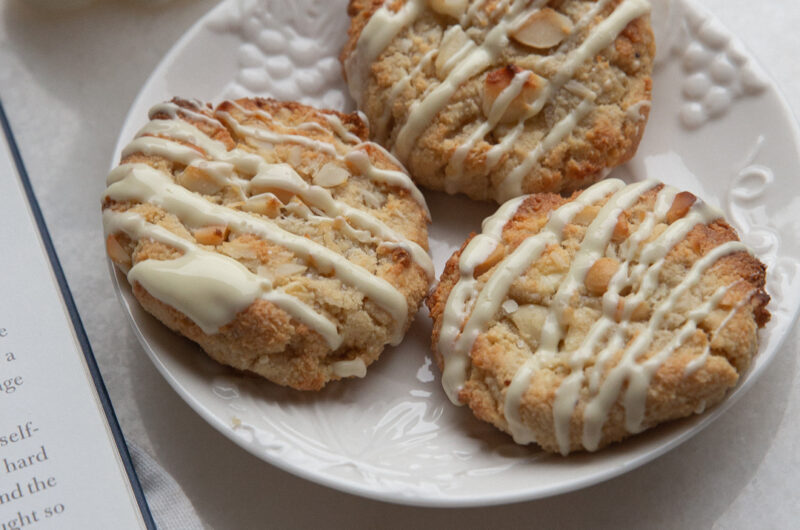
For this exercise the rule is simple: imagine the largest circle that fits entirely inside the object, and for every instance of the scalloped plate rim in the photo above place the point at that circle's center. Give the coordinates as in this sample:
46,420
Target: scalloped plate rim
125,296
121,287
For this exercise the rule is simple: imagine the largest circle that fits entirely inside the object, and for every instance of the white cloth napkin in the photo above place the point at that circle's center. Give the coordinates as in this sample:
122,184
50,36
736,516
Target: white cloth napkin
170,507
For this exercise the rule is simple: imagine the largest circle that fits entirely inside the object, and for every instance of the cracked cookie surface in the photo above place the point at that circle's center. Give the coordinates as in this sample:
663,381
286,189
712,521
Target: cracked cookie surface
270,233
576,322
500,98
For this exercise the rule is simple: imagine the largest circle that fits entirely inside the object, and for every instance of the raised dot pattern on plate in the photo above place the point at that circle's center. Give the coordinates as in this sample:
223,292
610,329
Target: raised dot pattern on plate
717,70
466,463
287,51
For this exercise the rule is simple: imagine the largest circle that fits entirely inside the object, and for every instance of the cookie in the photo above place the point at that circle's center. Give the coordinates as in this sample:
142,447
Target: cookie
576,322
271,234
499,98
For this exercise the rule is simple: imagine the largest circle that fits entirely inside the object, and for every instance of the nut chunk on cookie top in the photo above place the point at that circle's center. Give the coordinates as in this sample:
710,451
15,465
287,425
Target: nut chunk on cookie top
574,323
270,233
495,99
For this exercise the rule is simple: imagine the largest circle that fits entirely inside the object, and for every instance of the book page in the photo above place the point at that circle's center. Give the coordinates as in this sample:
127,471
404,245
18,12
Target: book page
59,463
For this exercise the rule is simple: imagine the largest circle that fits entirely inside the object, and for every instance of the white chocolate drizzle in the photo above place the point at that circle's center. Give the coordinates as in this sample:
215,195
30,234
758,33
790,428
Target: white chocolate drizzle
472,305
174,111
695,364
473,63
340,130
145,184
469,14
498,108
220,286
472,60
383,26
352,368
360,160
512,185
460,303
211,288
363,163
399,86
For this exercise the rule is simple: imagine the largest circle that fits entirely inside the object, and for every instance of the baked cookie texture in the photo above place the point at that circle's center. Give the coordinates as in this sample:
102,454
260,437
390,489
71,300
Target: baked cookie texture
576,322
271,234
499,98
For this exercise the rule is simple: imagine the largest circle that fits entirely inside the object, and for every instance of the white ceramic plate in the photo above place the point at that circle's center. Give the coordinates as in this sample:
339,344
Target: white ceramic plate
718,128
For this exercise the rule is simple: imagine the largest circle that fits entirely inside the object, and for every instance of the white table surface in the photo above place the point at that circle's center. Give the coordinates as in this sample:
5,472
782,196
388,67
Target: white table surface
67,80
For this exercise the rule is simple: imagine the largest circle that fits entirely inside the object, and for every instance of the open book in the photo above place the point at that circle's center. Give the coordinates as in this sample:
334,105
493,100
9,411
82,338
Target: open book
63,460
